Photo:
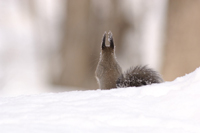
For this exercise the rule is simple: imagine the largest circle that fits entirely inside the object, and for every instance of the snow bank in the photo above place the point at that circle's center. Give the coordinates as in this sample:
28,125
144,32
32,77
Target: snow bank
170,107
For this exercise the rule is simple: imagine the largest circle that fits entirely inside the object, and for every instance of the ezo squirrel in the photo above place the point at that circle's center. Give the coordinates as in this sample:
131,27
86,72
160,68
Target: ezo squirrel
109,74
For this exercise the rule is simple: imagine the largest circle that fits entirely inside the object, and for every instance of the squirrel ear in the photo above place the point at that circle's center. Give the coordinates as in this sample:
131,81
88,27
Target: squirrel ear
110,39
103,43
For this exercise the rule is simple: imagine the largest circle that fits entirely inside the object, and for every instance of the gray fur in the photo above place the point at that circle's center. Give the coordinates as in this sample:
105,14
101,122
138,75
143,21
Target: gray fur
108,70
109,74
138,76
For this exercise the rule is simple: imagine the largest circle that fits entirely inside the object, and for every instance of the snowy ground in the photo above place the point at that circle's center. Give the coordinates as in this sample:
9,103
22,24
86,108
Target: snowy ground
170,107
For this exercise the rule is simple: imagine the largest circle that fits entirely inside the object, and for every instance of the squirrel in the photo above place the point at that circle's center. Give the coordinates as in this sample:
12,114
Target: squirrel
109,73
108,70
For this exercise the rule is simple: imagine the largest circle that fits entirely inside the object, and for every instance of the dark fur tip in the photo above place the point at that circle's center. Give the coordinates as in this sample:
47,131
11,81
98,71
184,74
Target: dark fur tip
138,76
110,39
103,44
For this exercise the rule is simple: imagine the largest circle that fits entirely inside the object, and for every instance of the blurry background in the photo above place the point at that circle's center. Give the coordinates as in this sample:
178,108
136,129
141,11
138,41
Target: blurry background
54,45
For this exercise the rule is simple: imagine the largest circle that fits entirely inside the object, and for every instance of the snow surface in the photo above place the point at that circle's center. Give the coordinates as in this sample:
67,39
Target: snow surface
170,107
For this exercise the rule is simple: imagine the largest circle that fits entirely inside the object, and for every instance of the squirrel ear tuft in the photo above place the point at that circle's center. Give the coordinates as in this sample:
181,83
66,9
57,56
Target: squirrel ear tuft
110,39
103,43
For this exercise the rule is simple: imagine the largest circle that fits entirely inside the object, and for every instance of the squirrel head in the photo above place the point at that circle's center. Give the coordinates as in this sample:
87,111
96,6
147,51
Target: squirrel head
107,49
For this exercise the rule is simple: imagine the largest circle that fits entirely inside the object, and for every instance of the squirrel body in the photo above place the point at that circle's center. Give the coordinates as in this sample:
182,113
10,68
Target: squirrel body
108,70
109,73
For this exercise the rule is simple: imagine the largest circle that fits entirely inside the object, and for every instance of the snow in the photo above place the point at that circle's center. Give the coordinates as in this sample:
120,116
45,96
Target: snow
170,107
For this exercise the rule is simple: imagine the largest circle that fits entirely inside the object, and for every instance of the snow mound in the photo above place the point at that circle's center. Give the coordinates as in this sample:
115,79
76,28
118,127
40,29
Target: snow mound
170,107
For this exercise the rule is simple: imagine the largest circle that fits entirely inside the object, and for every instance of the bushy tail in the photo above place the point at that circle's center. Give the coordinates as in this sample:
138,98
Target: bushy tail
138,76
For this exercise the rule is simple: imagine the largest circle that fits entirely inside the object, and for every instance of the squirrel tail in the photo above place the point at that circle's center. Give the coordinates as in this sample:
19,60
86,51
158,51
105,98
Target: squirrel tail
138,76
